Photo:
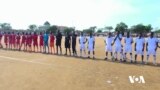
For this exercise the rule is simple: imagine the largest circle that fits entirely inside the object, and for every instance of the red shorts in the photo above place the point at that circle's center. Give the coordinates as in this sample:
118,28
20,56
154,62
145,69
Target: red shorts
35,43
41,43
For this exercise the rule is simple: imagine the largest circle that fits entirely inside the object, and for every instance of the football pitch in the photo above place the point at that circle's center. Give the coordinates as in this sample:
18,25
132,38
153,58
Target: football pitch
37,71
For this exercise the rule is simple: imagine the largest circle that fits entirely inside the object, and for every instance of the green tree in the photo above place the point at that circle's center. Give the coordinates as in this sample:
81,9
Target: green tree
140,28
93,29
52,29
46,23
68,30
99,31
109,28
5,26
122,27
32,27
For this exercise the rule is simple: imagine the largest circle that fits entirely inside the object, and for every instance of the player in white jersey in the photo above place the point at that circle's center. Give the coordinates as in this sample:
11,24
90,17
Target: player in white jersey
139,47
108,42
91,44
118,46
151,47
128,46
82,42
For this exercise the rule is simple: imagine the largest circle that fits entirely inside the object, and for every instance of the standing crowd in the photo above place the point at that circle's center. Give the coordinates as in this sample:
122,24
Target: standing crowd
122,44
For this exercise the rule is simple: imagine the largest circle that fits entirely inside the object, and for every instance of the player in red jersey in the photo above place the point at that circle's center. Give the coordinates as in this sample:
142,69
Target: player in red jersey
30,42
10,40
13,40
23,42
6,39
18,37
41,42
35,41
1,39
52,38
27,41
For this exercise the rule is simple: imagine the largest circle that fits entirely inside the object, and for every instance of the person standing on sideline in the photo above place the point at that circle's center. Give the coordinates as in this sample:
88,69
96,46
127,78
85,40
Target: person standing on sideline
23,42
41,42
151,47
6,37
118,46
52,39
108,48
18,38
91,45
13,40
58,41
1,39
74,39
82,42
139,47
45,38
68,43
128,46
35,41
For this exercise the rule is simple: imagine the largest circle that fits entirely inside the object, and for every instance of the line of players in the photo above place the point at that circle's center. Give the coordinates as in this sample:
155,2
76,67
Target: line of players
46,44
123,45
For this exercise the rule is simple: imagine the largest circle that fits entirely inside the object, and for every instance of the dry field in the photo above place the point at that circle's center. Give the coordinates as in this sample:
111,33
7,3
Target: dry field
36,71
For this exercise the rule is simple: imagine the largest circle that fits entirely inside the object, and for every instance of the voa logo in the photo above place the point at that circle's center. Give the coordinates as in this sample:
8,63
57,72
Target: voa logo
134,79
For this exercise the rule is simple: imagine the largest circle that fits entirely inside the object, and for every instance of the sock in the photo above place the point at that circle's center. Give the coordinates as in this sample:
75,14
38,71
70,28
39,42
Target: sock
121,55
147,59
131,57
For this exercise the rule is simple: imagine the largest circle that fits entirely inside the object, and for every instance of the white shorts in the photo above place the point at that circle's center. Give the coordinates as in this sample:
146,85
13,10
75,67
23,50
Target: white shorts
151,52
127,49
118,49
90,48
82,46
139,52
108,49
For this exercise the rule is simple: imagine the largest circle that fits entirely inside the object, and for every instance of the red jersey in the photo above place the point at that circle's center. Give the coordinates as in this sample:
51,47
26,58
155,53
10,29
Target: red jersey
23,39
13,38
30,39
35,38
10,38
41,40
52,38
6,38
18,39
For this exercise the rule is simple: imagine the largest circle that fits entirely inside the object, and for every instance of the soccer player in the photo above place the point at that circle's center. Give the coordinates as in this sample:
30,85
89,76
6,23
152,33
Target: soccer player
41,42
151,47
139,47
35,41
52,38
13,40
18,37
29,42
58,41
6,39
91,44
1,39
45,38
118,46
108,42
23,42
82,42
128,46
67,43
10,40
74,39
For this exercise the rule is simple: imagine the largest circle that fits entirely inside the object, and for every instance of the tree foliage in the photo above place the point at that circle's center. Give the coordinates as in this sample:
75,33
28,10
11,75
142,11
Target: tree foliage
109,28
90,30
52,29
32,27
5,26
140,28
122,27
68,30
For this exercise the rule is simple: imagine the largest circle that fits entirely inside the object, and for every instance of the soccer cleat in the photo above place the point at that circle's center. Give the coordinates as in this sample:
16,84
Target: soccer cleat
106,58
131,61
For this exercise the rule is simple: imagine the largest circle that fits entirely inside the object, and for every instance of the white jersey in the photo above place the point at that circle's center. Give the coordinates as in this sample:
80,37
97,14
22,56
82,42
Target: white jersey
152,43
139,43
90,41
82,39
109,41
118,42
128,41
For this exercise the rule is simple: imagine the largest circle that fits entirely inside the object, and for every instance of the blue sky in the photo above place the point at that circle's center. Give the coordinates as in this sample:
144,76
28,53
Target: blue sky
79,13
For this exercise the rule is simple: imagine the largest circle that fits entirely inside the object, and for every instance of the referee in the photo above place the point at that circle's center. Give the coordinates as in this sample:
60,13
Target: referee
74,39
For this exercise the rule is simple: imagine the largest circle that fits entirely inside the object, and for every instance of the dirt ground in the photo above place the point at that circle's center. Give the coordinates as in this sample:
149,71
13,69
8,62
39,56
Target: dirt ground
36,71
